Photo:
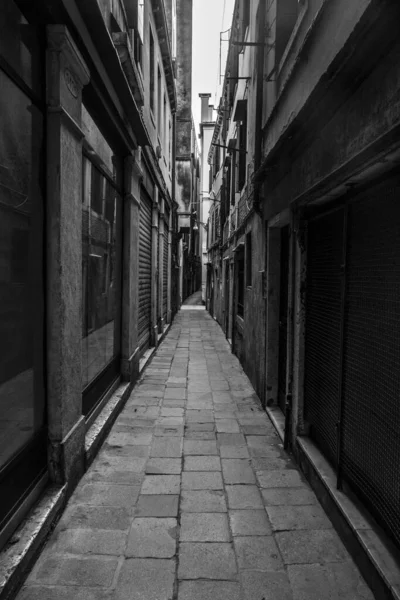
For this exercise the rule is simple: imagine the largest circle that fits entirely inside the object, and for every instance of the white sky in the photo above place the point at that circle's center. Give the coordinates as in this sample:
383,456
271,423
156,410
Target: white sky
210,17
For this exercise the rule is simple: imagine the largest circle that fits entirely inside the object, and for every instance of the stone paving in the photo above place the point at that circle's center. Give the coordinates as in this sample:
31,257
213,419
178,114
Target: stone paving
192,496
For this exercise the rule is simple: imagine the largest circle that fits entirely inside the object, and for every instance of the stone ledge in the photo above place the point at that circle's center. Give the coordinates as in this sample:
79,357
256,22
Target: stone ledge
98,431
368,547
19,555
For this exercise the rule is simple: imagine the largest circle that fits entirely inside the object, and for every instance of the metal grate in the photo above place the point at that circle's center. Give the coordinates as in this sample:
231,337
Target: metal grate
323,330
371,378
165,272
144,317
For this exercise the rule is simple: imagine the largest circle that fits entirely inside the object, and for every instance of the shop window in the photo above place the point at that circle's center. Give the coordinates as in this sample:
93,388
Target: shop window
249,260
287,12
23,436
240,283
101,266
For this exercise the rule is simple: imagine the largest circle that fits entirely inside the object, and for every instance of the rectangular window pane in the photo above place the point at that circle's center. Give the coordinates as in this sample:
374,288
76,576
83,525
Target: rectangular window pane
21,273
19,45
101,250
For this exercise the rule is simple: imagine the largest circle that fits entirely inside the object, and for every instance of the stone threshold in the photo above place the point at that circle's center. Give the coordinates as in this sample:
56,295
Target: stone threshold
372,552
21,551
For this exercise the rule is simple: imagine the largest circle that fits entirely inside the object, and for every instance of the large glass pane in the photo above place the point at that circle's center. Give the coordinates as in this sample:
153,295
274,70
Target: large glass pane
19,45
101,249
21,309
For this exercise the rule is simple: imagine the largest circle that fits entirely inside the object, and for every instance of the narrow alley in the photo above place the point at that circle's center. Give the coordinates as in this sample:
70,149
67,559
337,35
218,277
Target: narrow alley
192,496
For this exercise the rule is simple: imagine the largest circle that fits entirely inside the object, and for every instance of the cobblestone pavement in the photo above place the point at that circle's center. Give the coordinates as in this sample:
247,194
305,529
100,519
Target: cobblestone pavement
192,496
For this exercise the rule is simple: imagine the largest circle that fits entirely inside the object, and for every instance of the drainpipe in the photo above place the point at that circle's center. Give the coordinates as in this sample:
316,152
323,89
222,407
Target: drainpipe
259,100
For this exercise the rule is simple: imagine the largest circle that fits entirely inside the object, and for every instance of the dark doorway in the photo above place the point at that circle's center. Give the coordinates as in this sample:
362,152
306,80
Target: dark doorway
283,311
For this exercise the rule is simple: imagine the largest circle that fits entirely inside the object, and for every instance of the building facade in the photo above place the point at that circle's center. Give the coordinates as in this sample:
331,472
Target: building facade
304,245
88,225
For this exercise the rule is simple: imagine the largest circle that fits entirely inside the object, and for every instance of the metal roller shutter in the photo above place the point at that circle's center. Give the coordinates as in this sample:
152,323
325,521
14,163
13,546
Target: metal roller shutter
165,272
323,330
145,234
370,458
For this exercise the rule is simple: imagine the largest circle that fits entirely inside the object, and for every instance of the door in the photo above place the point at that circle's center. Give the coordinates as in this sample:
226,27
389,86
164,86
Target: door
370,448
165,269
145,234
323,330
283,314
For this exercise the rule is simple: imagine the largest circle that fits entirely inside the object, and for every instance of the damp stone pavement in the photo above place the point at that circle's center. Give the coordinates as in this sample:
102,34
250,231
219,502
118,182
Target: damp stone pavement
192,496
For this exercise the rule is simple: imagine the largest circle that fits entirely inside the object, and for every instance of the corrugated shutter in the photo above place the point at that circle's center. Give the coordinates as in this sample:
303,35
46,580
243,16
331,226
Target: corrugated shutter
323,330
165,271
145,233
370,459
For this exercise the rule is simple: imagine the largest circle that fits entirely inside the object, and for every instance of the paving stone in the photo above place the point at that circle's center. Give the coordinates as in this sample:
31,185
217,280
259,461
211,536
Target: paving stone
200,426
199,447
279,479
193,480
231,439
204,527
244,496
340,581
237,471
152,538
79,516
86,541
145,579
173,403
167,466
288,496
199,416
171,412
202,463
209,590
234,452
166,431
272,585
251,430
131,451
219,385
203,501
227,426
311,546
108,474
161,484
82,571
167,447
266,451
249,522
175,393
128,439
162,505
141,401
208,561
200,435
36,592
297,517
103,494
259,553
272,464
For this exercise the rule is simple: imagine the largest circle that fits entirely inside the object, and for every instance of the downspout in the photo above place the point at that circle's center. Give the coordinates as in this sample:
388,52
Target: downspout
260,50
